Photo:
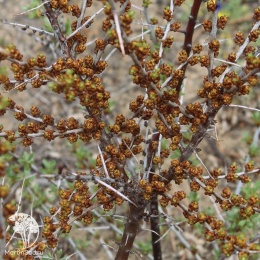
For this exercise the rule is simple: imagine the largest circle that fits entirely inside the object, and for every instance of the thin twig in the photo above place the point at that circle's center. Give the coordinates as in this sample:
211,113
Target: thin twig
103,162
25,27
85,24
116,191
27,11
53,19
82,12
246,107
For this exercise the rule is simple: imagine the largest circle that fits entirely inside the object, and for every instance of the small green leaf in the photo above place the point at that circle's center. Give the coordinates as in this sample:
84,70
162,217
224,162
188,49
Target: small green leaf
3,71
254,150
193,196
256,118
242,223
4,102
68,27
26,160
49,167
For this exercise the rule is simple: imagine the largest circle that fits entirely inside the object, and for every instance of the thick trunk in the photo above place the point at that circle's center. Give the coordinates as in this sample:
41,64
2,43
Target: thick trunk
155,221
132,227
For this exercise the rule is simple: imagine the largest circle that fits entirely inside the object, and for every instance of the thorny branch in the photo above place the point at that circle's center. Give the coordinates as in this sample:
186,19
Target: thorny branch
53,18
189,33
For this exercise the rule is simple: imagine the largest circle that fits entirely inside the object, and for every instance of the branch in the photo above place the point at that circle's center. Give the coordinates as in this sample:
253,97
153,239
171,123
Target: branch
154,216
131,229
25,27
27,11
195,140
155,228
189,34
85,24
53,18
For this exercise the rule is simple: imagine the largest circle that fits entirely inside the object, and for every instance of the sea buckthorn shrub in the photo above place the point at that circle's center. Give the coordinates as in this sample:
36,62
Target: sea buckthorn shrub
139,161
